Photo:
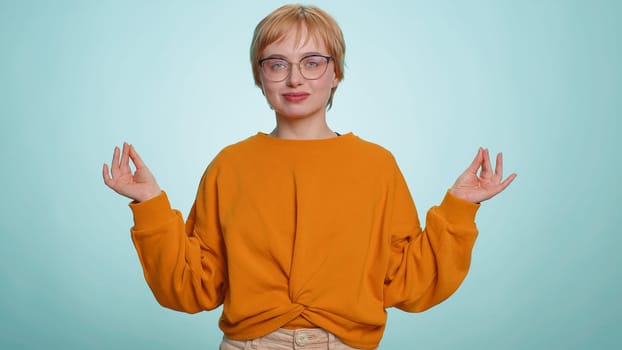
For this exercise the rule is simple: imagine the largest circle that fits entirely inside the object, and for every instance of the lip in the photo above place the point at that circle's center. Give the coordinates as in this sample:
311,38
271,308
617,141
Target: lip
295,96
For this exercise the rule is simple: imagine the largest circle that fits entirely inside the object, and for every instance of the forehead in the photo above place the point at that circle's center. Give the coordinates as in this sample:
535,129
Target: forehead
297,41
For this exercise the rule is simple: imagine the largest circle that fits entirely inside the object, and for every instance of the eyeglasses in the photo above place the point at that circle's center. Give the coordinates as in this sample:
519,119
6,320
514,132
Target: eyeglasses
311,67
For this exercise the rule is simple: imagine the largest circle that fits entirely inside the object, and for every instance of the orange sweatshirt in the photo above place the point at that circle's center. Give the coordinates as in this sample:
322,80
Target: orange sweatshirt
304,233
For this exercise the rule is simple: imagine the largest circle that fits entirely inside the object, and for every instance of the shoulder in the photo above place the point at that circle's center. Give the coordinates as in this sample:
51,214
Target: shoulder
373,151
237,150
231,154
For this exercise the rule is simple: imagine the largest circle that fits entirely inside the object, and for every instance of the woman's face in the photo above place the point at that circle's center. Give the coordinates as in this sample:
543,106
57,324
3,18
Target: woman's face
296,96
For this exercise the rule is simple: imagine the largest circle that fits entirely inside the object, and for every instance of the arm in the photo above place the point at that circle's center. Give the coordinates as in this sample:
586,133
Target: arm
183,263
427,266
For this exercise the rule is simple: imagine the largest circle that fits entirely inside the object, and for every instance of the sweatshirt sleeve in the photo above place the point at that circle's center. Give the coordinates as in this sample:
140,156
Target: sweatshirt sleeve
426,267
183,263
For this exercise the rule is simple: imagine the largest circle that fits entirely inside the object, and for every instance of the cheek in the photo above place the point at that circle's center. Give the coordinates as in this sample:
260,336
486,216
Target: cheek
270,93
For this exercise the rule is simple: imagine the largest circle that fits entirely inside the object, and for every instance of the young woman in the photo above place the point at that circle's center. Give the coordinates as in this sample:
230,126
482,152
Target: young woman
305,235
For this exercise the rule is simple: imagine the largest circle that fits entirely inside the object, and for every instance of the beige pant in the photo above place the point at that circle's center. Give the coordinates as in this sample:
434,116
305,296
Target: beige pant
285,339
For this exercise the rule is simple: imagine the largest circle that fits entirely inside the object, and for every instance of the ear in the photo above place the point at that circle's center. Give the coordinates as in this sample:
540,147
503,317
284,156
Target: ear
336,81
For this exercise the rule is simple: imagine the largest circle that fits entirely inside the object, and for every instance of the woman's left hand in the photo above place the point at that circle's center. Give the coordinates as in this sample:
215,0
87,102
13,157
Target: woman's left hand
478,188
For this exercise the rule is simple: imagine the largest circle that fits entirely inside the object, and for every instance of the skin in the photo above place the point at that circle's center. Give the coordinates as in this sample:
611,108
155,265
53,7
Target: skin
138,186
304,119
479,182
299,119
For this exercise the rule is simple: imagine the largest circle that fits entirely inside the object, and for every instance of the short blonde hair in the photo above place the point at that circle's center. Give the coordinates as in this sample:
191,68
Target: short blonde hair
294,16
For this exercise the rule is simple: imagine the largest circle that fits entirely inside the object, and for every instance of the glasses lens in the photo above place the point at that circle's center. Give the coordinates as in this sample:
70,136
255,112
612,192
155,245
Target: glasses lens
312,67
275,69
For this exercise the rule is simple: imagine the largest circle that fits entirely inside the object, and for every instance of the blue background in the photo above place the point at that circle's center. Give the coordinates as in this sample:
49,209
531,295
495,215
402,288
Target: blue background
431,81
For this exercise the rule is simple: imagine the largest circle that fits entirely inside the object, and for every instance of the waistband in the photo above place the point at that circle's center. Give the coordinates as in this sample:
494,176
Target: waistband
300,337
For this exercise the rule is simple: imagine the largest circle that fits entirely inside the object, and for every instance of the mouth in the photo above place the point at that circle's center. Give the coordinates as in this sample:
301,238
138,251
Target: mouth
295,96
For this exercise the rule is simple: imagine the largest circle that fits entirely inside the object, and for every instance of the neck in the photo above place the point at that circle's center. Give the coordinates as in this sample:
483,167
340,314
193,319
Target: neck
302,129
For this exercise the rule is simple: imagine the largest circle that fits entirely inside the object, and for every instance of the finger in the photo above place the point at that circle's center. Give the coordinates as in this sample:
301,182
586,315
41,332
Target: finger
114,166
106,175
125,158
138,161
486,167
507,182
499,166
476,163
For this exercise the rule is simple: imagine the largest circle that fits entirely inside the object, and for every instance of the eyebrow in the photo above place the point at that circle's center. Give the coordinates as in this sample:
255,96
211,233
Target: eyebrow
306,54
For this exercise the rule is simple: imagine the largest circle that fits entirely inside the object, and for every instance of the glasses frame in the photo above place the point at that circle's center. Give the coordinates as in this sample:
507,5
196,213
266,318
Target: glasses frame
291,64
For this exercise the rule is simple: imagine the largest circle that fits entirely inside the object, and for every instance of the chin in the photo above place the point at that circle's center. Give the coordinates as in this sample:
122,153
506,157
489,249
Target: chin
296,113
300,111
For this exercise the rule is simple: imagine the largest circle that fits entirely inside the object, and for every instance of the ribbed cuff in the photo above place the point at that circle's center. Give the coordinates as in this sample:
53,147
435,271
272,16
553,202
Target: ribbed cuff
457,210
152,212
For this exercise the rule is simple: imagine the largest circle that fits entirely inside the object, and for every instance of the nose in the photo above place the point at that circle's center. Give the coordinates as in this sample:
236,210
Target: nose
294,78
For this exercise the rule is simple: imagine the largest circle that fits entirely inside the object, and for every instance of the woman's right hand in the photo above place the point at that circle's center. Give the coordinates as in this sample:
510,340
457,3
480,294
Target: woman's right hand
139,186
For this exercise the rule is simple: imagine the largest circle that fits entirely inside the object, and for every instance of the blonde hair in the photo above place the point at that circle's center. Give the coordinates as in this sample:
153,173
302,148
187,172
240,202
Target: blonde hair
317,22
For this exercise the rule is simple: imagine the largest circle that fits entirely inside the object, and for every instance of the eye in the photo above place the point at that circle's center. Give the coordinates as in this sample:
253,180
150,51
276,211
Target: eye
313,62
276,64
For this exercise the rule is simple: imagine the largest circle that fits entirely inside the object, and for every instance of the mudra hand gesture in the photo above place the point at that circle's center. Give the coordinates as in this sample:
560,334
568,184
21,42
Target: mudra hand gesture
140,185
478,188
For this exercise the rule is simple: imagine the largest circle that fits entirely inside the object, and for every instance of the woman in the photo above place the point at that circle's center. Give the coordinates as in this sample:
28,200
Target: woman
306,236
